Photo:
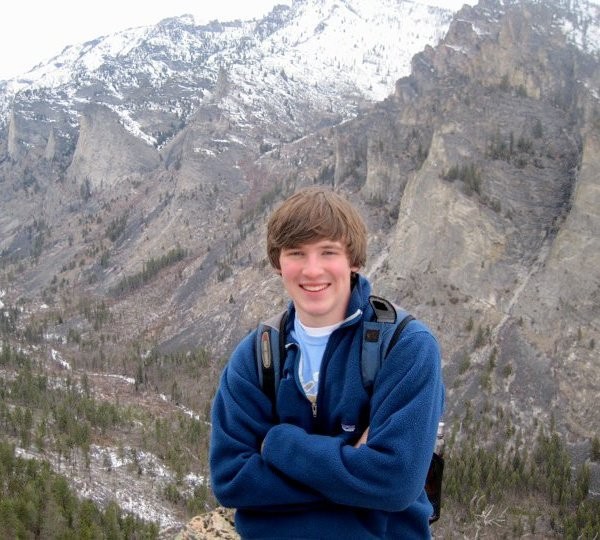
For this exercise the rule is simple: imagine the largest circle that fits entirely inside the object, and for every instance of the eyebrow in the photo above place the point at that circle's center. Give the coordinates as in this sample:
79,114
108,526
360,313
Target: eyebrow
332,245
322,244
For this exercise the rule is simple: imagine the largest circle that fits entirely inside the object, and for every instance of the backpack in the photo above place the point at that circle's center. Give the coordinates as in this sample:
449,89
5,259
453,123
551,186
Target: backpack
378,338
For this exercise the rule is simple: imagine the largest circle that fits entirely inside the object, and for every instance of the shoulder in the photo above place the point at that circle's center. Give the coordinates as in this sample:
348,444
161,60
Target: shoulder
243,358
416,346
417,328
417,332
413,366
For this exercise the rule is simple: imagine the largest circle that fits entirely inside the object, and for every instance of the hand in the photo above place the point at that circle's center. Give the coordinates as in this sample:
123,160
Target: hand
363,439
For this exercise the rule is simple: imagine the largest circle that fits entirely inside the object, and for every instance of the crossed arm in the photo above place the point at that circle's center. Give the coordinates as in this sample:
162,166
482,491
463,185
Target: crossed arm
256,463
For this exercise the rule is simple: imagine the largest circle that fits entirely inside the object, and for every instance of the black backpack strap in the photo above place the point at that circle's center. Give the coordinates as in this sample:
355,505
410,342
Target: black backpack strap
270,352
396,335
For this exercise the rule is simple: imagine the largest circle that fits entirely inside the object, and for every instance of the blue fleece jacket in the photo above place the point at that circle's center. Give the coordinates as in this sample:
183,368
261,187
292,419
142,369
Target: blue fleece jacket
308,481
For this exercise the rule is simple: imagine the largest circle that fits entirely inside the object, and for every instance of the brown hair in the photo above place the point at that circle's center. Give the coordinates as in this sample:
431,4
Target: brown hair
314,214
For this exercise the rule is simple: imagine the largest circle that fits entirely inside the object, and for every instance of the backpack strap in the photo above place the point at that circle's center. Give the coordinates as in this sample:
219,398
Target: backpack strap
270,350
379,337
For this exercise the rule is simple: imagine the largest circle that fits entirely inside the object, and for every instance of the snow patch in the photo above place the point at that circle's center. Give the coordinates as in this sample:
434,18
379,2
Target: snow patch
56,357
586,34
107,477
132,126
205,151
128,380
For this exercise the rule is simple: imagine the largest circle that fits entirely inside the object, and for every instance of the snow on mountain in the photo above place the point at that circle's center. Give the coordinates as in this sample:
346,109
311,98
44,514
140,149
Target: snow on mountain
372,43
285,69
315,50
582,28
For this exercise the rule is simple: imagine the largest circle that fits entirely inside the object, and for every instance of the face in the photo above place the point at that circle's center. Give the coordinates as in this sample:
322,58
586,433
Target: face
317,278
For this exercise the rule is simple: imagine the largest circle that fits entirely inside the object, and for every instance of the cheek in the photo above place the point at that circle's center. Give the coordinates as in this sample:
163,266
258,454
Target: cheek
287,270
288,283
344,270
289,263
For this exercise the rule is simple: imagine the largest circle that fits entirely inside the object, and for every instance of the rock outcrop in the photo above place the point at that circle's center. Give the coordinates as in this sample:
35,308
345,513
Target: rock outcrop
212,525
106,151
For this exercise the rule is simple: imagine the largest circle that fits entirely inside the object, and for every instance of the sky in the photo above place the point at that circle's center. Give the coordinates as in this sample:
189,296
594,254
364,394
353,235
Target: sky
32,31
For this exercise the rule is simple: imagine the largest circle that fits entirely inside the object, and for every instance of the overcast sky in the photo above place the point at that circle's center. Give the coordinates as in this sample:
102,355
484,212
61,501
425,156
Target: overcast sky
35,30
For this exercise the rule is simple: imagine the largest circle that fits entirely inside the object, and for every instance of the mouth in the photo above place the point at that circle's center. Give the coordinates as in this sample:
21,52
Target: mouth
315,288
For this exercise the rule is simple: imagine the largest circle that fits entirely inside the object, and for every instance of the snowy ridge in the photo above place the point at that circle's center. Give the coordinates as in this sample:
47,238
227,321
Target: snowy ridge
283,70
314,51
374,43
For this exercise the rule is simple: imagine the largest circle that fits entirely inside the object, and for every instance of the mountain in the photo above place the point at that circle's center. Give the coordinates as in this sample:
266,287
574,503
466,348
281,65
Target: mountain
154,77
137,171
161,141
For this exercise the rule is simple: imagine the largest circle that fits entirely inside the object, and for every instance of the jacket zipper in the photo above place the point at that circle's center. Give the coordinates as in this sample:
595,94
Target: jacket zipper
324,362
313,405
314,399
311,399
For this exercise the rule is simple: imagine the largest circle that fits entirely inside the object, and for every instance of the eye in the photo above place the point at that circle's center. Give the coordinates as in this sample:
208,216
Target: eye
331,251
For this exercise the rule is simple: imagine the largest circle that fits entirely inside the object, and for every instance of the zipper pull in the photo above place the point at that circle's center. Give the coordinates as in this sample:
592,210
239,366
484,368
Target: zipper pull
313,405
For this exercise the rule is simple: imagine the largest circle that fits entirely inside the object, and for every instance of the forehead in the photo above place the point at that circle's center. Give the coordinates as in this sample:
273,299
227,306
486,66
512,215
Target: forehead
320,243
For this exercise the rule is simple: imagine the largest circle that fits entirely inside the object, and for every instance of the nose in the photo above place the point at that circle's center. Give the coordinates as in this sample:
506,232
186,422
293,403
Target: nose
312,265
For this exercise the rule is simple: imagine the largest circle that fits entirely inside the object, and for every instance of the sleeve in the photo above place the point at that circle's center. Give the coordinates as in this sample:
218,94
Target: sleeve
241,417
389,472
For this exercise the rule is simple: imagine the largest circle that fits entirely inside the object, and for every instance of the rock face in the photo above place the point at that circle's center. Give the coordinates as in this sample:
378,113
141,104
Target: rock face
215,524
560,302
502,212
106,152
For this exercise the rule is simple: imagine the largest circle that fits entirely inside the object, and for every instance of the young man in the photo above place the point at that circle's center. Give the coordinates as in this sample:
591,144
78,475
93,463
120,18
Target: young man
332,460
